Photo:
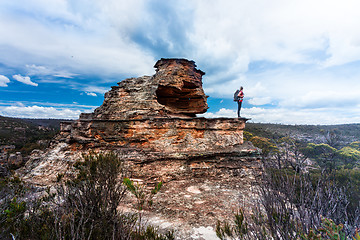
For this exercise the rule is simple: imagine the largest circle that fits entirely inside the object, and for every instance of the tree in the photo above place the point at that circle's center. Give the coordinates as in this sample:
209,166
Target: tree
350,155
142,197
290,153
323,154
332,138
87,205
264,144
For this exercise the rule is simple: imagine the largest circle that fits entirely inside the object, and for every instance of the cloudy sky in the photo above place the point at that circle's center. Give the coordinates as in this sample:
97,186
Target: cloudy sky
298,60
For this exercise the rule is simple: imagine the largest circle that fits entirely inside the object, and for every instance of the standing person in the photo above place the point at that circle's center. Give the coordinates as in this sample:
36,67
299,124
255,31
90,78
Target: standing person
240,100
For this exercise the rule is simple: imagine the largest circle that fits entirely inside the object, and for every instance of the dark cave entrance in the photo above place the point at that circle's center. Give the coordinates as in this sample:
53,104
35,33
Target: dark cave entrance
188,100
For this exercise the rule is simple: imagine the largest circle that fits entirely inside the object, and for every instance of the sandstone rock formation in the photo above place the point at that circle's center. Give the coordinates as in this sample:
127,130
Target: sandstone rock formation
174,91
156,114
151,123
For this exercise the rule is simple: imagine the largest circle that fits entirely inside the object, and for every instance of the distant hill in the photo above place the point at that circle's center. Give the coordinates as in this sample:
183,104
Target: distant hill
49,123
347,133
27,134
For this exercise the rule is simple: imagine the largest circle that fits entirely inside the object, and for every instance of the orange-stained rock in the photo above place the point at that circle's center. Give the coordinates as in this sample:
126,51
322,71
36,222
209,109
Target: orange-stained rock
175,90
180,86
158,134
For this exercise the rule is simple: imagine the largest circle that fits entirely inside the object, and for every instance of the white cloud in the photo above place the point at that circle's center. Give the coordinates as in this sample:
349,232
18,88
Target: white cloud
95,89
333,115
39,112
260,100
91,94
279,31
82,37
223,112
45,71
286,116
4,81
74,105
25,80
92,36
301,41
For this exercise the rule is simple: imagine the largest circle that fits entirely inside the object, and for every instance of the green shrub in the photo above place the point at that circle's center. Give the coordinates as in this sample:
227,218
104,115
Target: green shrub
237,229
329,230
139,191
84,207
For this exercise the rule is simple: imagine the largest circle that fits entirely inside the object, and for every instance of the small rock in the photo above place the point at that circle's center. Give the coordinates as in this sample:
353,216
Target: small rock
193,189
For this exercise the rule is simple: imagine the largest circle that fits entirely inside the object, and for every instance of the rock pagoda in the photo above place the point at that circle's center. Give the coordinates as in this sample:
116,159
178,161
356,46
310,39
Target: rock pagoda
151,123
156,114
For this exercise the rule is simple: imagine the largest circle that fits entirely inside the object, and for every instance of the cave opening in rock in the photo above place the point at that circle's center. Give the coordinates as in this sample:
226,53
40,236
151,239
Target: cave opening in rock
185,100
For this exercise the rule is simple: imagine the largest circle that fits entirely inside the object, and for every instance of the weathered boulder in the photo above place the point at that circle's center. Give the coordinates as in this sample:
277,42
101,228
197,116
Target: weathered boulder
180,86
15,159
175,90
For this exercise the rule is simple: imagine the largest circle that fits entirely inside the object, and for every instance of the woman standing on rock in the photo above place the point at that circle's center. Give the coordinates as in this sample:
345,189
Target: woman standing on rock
240,97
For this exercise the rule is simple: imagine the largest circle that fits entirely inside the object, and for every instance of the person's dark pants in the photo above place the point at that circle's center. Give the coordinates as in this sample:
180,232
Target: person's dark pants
239,108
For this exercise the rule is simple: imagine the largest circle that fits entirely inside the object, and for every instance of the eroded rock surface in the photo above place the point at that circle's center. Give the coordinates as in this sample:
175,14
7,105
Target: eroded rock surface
151,123
174,91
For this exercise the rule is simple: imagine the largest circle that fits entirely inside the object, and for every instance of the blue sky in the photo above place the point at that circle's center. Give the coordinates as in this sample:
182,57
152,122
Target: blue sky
299,61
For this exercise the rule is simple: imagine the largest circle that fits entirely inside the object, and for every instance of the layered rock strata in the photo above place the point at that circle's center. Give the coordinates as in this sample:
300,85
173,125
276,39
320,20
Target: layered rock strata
156,113
151,123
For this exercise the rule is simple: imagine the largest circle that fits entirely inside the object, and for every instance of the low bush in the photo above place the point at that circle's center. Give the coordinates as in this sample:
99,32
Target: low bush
84,207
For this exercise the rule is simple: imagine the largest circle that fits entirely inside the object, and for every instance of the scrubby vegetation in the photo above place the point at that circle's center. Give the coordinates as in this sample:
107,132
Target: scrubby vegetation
83,207
307,191
27,134
343,134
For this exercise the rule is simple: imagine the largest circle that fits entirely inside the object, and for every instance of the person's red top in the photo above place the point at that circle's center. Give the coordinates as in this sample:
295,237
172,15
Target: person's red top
241,95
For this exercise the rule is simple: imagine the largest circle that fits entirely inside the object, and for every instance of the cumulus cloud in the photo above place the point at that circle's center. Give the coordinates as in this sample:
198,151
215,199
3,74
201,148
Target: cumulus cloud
296,55
91,94
287,47
334,115
224,37
223,112
39,112
82,37
293,31
260,100
284,116
4,81
95,89
25,80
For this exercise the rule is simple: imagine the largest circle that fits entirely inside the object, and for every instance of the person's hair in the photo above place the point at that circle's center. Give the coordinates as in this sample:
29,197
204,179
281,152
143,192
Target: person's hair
241,88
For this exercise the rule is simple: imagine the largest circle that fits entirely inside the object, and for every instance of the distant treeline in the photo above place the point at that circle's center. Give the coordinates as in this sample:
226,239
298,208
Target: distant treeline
346,133
27,134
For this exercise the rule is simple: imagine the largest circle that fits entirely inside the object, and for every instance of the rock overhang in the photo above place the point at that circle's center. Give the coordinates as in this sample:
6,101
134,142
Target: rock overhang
180,86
